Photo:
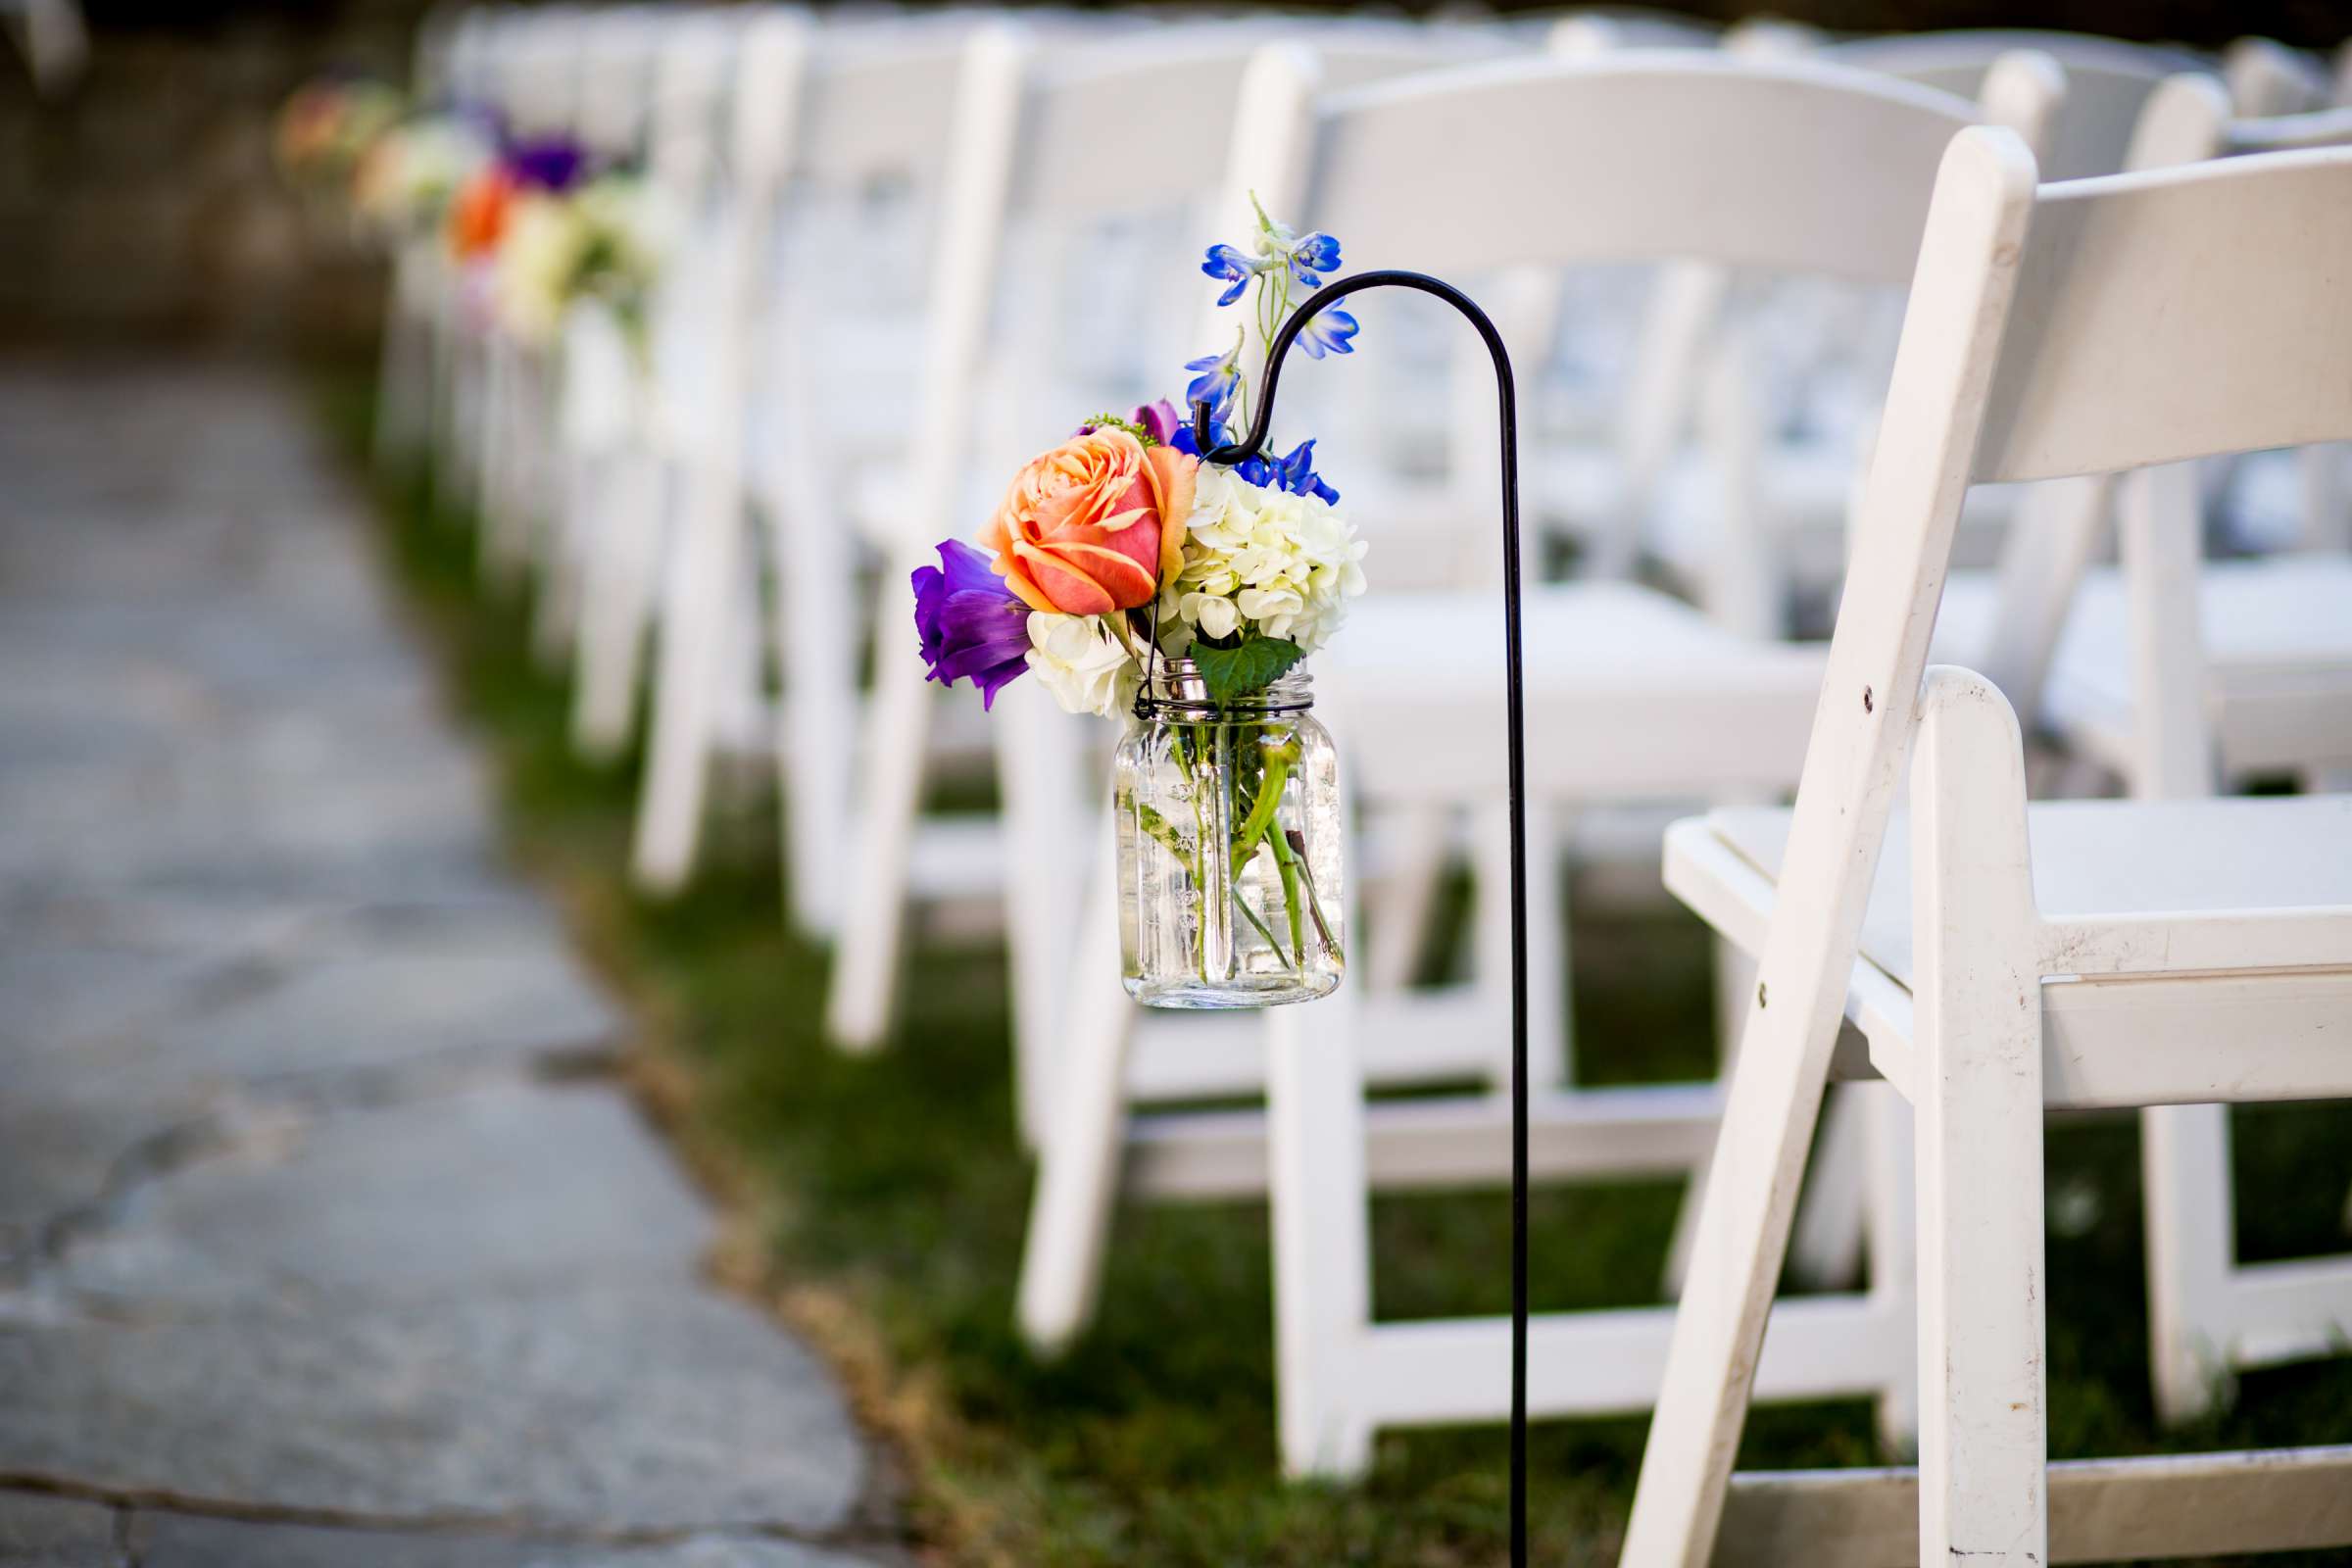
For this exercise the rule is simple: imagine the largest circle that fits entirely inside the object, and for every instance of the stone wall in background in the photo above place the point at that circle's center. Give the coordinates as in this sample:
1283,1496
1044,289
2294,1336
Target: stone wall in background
143,203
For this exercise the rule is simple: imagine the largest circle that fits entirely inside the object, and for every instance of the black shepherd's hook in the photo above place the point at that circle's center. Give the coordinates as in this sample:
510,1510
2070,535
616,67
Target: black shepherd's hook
1516,779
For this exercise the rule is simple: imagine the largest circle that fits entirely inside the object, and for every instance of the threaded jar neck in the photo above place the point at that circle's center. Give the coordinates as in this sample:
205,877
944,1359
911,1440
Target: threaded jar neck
1176,690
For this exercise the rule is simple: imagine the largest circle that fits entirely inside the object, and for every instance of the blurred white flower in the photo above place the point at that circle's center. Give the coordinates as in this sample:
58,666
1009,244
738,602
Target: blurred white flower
1286,564
604,241
538,265
407,178
1082,662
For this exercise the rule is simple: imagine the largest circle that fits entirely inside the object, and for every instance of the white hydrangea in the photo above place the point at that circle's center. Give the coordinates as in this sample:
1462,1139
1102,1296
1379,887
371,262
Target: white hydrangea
1284,564
1082,663
606,239
537,263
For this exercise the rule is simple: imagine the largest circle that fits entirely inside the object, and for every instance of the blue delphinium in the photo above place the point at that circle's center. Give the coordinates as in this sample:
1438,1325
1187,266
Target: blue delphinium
1328,334
972,626
1236,268
1311,257
1218,381
1278,261
1296,474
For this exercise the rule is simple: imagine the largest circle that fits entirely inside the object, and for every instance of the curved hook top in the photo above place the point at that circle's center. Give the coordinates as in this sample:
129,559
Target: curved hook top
1330,294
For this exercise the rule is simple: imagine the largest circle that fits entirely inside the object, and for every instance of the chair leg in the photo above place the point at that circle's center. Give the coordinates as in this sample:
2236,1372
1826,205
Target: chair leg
865,960
1404,897
1319,1202
1826,1250
2184,1175
1735,985
1047,875
623,553
1079,1157
816,651
695,622
1983,1385
1890,1215
555,617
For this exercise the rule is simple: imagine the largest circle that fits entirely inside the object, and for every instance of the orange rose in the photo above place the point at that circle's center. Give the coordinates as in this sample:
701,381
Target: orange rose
477,215
1092,525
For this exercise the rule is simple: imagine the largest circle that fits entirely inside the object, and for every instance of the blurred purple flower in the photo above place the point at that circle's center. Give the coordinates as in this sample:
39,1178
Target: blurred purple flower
545,163
971,624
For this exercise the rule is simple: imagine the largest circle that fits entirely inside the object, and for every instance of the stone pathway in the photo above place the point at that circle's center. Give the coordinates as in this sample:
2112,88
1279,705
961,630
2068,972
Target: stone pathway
323,1239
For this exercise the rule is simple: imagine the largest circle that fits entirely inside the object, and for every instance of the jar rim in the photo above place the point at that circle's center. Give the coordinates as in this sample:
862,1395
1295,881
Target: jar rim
1176,688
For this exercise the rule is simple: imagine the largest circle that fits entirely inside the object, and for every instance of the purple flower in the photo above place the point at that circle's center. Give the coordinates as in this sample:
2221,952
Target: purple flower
548,162
1158,420
972,625
1161,418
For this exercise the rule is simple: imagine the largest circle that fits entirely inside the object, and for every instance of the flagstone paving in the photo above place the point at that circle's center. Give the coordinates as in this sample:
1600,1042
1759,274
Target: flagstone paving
325,1238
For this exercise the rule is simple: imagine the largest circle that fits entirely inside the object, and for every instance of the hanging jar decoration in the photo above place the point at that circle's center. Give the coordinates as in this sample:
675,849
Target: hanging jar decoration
1134,570
1229,843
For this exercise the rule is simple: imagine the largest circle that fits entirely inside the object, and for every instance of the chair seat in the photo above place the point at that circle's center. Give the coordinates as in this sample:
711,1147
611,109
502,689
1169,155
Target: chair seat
2219,862
2278,637
1631,692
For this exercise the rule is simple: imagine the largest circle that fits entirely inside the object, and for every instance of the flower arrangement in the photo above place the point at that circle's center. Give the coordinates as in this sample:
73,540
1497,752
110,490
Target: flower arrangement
540,228
407,180
1128,576
324,128
603,239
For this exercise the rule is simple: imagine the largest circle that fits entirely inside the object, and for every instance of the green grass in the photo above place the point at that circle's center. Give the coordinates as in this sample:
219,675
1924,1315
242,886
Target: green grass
886,1198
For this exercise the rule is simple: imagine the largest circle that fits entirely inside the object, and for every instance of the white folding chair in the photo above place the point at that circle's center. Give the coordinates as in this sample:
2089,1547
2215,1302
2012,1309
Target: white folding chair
2172,671
708,694
2107,82
468,74
2078,955
1806,169
635,417
404,399
834,394
493,71
589,395
551,86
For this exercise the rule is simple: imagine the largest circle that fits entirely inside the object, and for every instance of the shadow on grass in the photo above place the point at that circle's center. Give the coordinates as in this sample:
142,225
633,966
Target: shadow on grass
896,1188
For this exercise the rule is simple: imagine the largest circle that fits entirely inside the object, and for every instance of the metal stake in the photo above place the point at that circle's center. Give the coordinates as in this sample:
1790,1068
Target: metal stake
1514,675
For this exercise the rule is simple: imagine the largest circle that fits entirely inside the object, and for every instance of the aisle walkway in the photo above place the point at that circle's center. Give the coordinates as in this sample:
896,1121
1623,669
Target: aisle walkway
323,1239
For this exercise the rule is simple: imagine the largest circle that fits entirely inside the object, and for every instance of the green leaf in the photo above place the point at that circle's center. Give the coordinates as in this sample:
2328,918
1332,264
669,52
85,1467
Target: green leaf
1251,666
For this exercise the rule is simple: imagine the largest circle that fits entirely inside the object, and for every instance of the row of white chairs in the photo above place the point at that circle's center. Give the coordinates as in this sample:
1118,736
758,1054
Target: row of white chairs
864,412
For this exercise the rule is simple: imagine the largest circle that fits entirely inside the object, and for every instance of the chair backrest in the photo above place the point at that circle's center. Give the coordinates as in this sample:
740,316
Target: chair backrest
1788,166
878,105
690,68
2176,313
2087,327
2190,119
533,72
773,56
2266,77
616,53
2058,530
2107,83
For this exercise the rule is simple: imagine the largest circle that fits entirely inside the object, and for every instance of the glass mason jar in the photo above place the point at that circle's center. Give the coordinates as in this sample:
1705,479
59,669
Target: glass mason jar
1229,882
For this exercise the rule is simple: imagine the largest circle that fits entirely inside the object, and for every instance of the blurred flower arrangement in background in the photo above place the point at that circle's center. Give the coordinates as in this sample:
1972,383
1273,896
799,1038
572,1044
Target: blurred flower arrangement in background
534,223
